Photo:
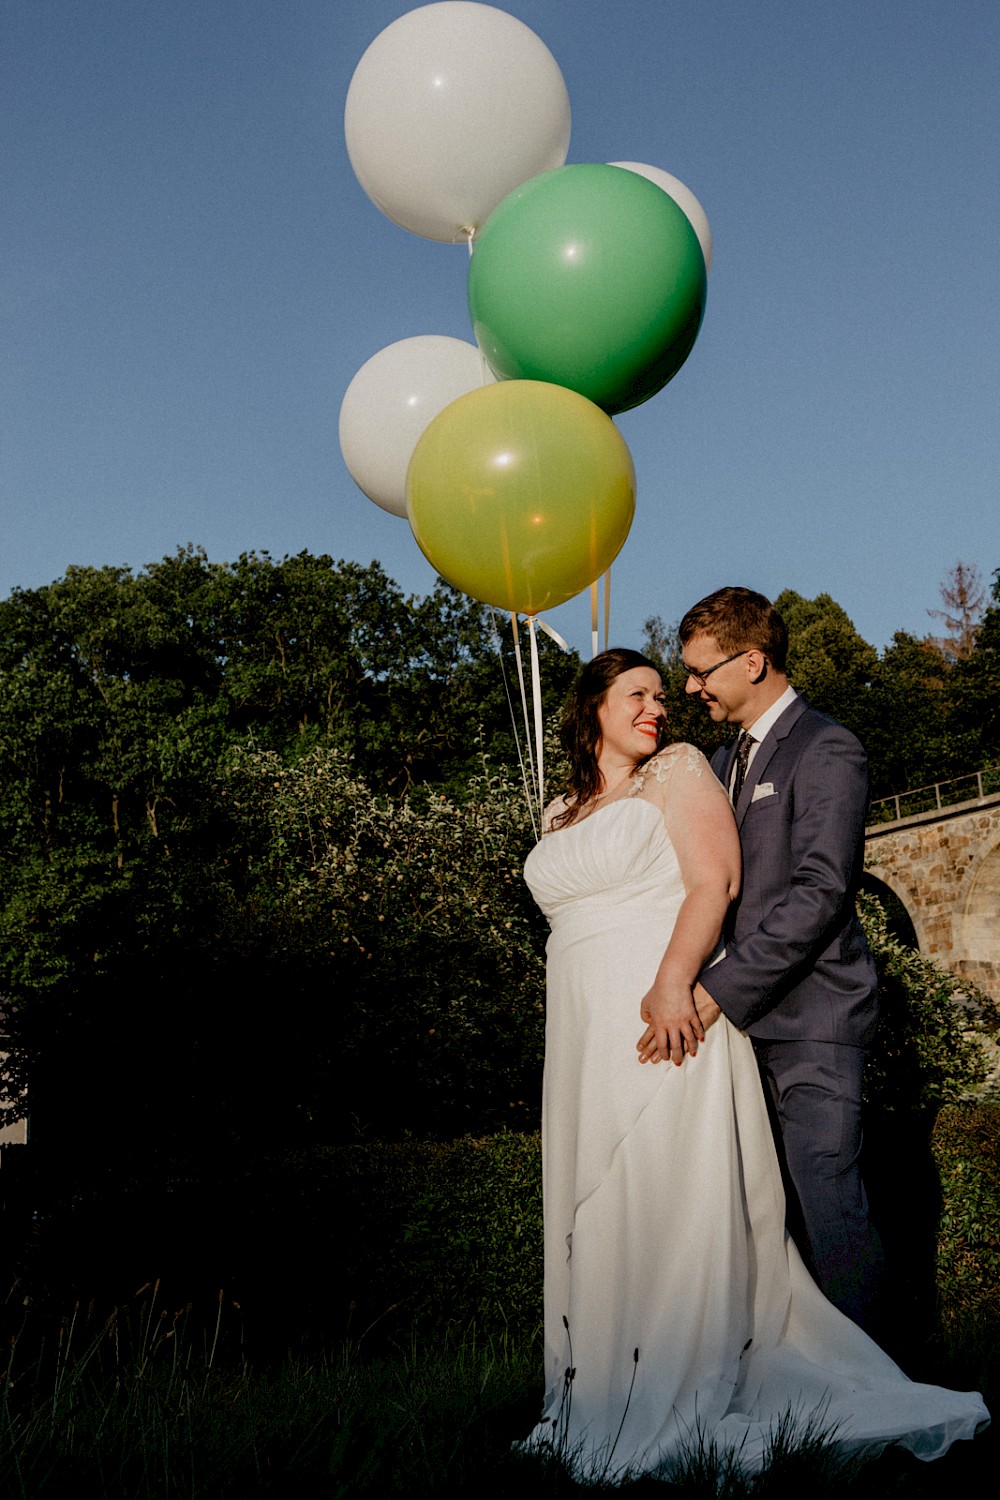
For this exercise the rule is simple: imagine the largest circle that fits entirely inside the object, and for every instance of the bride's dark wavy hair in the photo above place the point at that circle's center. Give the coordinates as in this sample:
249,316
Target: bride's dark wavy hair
581,732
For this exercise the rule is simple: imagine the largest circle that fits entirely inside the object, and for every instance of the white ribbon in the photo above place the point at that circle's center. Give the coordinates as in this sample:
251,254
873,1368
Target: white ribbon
532,785
534,728
607,605
552,634
594,611
536,703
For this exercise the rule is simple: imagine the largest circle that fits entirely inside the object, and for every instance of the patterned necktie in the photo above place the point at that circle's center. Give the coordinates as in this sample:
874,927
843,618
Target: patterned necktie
744,745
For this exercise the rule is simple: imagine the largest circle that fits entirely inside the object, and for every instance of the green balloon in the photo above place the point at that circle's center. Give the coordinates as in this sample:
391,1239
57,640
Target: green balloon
590,277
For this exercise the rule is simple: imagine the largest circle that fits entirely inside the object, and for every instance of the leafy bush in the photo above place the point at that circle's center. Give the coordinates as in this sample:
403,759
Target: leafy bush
966,1144
452,1234
403,941
392,1235
929,1046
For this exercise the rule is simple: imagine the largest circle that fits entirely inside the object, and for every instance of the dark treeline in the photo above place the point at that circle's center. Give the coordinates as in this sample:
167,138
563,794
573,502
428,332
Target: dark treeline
179,966
261,837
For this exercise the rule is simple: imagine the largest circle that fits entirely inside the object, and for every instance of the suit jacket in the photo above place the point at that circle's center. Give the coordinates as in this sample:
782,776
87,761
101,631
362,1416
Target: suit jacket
797,966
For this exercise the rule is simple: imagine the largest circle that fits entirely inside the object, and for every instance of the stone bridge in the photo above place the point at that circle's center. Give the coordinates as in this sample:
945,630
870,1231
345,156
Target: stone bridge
943,865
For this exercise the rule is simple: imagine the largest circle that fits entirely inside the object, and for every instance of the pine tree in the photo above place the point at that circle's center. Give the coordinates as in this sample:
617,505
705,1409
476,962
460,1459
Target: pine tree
963,594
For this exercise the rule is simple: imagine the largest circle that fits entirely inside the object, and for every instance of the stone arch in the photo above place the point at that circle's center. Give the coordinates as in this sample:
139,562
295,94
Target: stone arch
977,909
901,922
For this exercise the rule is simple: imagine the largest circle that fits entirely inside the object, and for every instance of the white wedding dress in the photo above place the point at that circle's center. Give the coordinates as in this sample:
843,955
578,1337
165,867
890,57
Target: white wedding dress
671,1289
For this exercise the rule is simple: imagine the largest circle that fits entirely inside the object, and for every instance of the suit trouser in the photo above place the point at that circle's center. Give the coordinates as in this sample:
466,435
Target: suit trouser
814,1093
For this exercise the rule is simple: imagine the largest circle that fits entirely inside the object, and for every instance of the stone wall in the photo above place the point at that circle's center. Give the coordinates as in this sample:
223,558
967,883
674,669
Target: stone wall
945,868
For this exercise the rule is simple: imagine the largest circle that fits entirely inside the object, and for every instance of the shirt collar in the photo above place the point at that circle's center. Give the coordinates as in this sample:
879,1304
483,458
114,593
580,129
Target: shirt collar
762,726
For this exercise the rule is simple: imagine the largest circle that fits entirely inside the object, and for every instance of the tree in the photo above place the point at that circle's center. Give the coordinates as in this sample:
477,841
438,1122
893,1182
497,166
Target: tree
828,661
975,685
963,595
912,736
122,700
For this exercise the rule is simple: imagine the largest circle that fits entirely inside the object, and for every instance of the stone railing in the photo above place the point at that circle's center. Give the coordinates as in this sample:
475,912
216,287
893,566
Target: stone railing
935,798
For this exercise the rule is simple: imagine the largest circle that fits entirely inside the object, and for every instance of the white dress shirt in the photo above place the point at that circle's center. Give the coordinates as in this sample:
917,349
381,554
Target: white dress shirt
763,725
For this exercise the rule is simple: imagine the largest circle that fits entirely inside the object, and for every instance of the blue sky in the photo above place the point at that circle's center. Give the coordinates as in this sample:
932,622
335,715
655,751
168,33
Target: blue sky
190,276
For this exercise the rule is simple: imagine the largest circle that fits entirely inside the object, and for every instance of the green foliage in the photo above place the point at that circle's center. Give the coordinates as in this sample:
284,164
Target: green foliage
256,876
928,1049
828,661
412,923
128,874
966,1144
911,737
976,685
423,1233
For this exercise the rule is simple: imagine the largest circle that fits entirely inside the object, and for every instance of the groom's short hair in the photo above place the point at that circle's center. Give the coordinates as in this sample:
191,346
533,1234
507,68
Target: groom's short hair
740,620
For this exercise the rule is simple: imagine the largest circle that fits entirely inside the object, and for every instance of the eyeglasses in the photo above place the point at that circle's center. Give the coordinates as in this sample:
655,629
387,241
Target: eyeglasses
703,677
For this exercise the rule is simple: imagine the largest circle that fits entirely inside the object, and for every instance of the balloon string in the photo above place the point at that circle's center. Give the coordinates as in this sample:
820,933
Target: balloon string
513,720
607,605
536,702
532,776
527,726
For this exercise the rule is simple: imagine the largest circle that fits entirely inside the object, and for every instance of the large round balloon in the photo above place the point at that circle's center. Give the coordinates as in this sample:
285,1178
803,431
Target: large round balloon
521,494
391,400
591,277
449,109
682,196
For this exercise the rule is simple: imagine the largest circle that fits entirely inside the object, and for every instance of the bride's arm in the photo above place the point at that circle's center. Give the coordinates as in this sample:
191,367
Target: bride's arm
701,827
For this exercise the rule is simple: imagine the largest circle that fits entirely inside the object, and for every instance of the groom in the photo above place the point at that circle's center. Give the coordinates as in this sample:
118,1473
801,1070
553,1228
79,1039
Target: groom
797,974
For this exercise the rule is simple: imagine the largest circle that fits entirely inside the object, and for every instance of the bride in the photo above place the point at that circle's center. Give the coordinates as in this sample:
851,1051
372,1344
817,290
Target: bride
677,1311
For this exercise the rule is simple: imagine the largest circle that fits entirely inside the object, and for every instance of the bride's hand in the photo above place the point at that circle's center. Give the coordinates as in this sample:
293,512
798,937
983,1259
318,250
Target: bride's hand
673,1027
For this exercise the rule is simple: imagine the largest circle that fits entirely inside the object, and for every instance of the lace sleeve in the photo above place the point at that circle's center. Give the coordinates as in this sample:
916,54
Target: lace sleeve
661,766
555,807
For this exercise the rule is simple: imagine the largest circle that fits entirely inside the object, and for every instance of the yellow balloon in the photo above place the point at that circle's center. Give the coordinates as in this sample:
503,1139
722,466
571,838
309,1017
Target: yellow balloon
521,494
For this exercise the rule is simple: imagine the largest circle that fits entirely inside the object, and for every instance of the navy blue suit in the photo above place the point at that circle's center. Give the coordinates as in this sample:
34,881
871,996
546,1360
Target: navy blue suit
798,977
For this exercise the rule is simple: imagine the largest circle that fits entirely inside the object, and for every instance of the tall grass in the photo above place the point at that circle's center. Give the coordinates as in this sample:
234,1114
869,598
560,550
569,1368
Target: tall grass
154,1402
158,1402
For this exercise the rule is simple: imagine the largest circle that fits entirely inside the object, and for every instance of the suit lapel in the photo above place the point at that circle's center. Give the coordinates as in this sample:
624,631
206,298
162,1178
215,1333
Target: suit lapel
767,748
765,752
725,757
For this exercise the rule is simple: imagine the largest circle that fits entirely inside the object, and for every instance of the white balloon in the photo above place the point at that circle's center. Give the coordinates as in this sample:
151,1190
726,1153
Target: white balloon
391,400
683,197
452,107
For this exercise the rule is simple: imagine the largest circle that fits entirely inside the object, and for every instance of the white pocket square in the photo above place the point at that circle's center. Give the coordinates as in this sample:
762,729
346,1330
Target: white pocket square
762,789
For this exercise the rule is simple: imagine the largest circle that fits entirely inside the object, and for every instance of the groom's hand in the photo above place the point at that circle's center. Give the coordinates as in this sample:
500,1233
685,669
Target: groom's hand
708,1011
674,1026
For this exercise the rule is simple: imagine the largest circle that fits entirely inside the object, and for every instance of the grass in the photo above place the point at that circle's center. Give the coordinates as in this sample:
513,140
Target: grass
152,1402
169,1395
158,1402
